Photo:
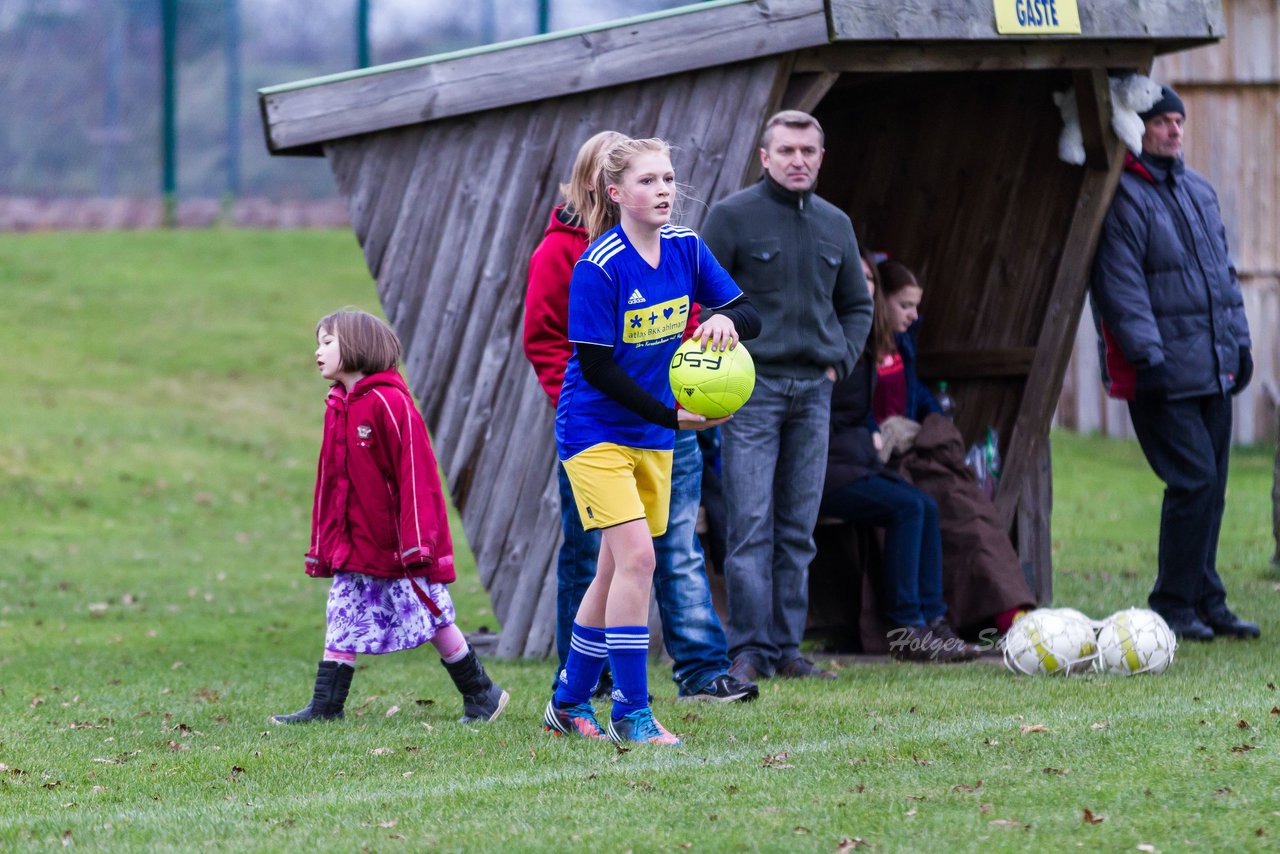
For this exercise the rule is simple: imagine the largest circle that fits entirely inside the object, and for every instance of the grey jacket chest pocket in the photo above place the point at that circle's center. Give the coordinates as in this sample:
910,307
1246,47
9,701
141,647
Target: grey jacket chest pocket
829,253
764,251
764,264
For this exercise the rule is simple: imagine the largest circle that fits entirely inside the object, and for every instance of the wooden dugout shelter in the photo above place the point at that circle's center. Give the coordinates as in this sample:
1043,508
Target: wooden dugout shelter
941,145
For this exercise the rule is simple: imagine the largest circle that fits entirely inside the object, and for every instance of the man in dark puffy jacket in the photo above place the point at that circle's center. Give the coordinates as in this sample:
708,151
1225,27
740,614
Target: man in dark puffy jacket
1176,346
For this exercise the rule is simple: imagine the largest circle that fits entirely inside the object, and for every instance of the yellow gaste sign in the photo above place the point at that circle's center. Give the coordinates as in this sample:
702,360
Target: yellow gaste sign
1036,17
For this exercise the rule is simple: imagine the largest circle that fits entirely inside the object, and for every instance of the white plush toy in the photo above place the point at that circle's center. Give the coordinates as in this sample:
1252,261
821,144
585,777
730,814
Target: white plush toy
1129,96
1071,140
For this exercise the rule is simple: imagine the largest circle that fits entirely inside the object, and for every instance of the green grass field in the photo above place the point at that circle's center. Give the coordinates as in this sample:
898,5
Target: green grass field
157,447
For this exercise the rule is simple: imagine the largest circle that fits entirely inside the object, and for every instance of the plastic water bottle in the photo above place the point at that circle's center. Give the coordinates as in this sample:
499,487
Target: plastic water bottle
945,401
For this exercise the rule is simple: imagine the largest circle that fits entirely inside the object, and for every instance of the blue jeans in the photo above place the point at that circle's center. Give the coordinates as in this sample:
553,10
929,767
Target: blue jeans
910,581
692,632
774,462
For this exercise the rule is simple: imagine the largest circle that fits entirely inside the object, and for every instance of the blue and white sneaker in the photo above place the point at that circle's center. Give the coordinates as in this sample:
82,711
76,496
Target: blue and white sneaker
579,719
641,727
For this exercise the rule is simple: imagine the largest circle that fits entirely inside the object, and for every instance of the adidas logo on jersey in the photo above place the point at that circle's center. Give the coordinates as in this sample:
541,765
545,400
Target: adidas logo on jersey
636,297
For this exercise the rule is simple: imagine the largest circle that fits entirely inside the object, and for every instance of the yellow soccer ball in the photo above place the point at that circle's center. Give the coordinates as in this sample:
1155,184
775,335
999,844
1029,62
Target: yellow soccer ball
713,383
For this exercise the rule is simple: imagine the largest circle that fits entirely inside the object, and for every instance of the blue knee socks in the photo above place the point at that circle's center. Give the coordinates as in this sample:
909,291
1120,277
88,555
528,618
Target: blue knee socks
583,666
628,657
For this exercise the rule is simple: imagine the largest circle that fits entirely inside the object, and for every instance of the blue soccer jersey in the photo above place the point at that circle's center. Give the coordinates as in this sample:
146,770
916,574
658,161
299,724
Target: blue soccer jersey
616,299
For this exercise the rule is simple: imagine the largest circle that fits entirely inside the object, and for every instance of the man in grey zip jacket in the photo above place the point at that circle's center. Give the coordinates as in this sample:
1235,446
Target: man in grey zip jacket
795,255
1175,345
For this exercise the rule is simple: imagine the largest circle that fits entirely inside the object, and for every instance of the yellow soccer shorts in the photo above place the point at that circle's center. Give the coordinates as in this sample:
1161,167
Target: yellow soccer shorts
613,484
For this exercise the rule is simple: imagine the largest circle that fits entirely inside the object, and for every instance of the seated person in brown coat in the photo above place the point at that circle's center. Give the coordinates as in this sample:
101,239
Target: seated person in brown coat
983,583
908,581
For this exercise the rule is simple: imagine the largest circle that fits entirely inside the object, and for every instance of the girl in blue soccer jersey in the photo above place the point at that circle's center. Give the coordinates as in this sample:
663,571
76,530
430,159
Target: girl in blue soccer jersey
629,300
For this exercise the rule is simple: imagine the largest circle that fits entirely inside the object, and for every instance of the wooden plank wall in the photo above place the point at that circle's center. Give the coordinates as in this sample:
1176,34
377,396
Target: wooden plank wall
1232,94
448,213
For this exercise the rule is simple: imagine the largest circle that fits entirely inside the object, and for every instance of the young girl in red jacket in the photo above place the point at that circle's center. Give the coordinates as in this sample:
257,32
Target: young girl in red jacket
379,527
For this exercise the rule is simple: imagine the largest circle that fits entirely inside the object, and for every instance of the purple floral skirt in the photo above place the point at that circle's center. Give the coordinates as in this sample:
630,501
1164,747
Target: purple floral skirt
370,616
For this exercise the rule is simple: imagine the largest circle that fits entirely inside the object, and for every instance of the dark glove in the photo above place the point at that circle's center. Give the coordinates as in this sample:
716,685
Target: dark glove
1152,384
1244,373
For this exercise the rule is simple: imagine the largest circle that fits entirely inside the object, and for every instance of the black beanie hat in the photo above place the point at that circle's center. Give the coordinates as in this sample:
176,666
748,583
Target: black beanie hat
1169,103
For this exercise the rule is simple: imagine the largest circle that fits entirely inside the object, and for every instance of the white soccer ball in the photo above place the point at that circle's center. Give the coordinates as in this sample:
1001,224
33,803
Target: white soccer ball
1135,641
1072,613
1050,641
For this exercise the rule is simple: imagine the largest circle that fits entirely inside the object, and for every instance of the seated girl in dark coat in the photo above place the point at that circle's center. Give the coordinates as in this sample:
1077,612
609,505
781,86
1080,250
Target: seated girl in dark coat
860,489
983,582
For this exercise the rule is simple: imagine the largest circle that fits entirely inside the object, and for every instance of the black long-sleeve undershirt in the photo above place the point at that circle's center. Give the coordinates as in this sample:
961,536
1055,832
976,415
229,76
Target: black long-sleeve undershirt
600,369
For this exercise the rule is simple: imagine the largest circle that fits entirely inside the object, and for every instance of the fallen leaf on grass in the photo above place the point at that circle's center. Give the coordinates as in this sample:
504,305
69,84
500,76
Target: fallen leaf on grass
1089,817
1057,772
1275,710
425,702
963,788
1099,725
381,751
1225,790
394,710
1005,822
776,760
1148,847
847,844
800,830
1241,748
911,812
1026,728
1242,724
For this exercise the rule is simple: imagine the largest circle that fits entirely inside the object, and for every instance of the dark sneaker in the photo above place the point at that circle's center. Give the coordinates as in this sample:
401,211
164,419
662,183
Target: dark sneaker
964,651
802,668
573,720
724,689
1226,624
641,727
1187,626
484,706
924,644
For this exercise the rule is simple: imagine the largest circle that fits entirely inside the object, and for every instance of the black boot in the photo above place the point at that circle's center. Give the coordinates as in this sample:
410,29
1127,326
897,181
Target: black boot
482,700
1227,624
333,681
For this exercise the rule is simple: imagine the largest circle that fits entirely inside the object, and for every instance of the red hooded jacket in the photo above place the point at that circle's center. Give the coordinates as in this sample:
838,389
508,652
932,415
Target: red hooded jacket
546,303
379,508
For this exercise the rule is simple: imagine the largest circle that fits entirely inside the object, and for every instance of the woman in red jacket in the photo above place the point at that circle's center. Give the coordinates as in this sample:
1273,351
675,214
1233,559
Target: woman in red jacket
379,524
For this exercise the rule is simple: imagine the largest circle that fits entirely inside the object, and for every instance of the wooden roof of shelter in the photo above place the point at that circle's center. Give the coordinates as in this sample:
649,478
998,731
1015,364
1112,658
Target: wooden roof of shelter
941,146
